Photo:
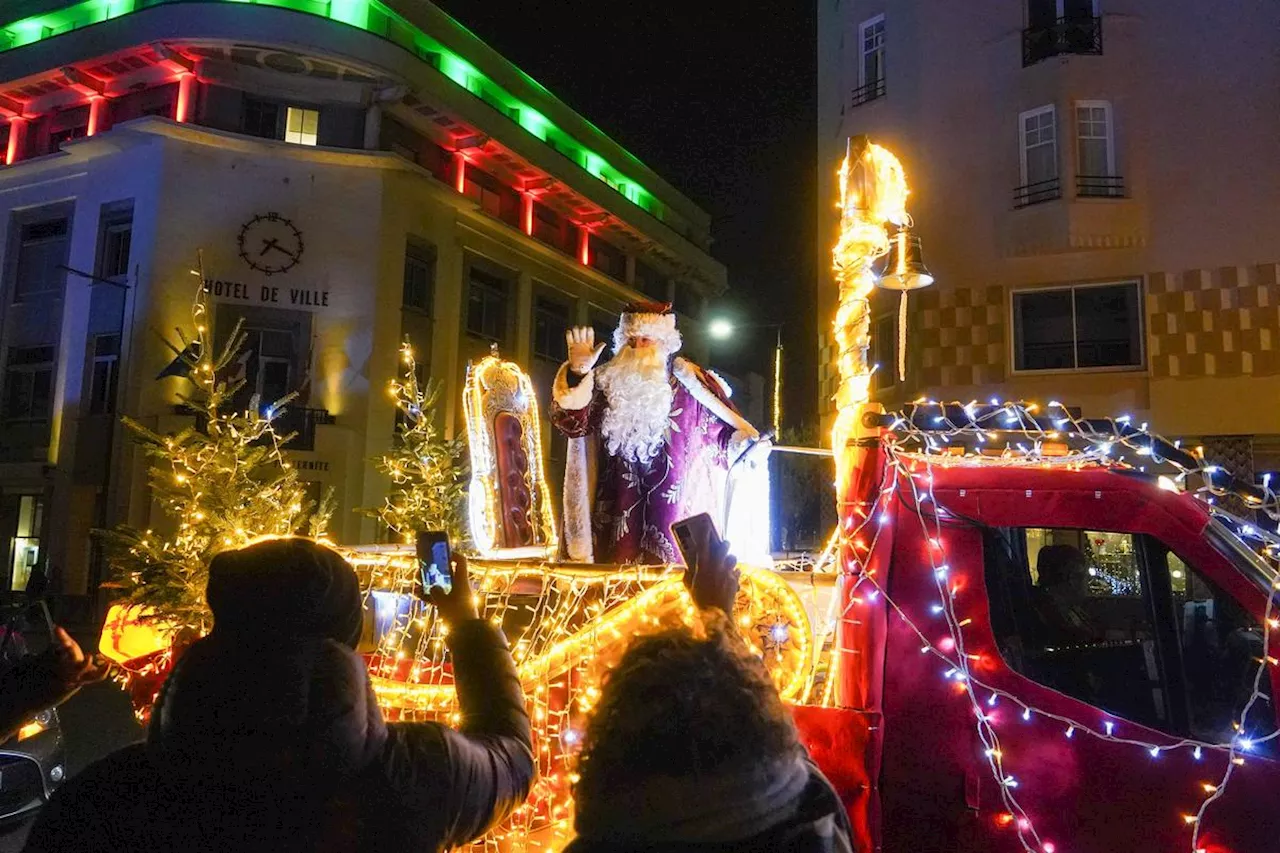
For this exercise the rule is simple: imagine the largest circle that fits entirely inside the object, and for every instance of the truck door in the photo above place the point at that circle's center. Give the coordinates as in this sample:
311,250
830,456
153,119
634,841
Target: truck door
1142,652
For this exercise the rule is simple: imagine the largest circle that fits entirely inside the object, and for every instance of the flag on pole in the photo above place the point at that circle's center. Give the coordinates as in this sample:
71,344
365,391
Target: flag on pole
181,365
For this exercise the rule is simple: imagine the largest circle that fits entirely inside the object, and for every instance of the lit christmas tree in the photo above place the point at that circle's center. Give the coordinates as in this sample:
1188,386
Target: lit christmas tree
220,483
428,471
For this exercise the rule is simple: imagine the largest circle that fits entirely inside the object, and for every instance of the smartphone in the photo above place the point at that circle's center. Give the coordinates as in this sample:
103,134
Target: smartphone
694,536
434,563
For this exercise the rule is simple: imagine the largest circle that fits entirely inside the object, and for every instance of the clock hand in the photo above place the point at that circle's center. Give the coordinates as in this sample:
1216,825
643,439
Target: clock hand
270,243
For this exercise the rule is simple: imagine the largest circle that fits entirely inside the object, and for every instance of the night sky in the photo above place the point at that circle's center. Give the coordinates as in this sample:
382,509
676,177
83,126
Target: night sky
722,106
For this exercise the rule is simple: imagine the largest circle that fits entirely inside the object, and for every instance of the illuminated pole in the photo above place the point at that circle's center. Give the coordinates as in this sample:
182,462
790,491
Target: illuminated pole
873,194
777,386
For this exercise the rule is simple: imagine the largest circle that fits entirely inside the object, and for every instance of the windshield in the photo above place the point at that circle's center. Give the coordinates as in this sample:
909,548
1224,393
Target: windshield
1231,546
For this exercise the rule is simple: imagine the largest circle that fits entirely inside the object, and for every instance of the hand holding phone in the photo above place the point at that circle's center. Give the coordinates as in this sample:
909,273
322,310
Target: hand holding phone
434,561
455,600
711,574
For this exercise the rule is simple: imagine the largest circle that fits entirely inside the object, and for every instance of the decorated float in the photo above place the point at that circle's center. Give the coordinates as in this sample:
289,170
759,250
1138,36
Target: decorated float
1032,631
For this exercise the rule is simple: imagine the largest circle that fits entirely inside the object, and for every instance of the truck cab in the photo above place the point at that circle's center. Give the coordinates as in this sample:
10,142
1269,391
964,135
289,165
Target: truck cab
1049,653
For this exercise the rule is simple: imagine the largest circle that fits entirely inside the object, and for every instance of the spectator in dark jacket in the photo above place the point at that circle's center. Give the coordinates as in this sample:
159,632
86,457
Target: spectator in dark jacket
267,736
690,748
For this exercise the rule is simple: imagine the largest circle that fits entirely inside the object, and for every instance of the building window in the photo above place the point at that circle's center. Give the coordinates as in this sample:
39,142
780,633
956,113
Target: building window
1117,621
1095,151
606,257
25,548
1061,27
115,239
487,306
42,250
871,69
687,301
1038,156
552,228
494,197
261,118
550,322
419,278
105,374
651,282
884,351
28,384
271,359
301,126
1090,326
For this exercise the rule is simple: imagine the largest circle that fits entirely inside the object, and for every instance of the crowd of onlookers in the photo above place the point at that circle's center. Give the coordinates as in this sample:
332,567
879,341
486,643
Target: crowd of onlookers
267,736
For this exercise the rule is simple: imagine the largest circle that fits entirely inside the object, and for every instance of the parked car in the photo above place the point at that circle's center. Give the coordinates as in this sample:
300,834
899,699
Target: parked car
32,762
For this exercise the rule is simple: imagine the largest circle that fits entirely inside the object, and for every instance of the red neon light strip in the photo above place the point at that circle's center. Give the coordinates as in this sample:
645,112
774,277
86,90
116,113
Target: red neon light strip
526,213
95,114
16,127
182,110
584,246
460,165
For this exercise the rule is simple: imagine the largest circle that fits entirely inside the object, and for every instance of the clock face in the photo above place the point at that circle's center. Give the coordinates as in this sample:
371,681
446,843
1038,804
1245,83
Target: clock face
270,243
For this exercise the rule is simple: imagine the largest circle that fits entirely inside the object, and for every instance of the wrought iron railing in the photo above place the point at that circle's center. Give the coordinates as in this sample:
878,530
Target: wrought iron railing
868,92
1074,35
1038,192
1099,186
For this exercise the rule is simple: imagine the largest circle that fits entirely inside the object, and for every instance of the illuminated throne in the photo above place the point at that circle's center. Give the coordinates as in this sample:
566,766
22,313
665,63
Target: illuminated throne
510,510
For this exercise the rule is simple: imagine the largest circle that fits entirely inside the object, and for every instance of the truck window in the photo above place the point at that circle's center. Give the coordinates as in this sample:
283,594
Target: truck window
1120,622
1078,618
1220,645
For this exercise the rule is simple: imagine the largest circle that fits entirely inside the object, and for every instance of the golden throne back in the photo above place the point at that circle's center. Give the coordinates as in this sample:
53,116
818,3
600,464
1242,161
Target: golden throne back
509,504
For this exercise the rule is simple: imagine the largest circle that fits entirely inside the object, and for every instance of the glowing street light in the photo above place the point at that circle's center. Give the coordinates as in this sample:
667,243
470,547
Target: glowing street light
720,329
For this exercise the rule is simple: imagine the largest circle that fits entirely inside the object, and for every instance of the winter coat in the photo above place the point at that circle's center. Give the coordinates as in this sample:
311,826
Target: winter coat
817,824
255,747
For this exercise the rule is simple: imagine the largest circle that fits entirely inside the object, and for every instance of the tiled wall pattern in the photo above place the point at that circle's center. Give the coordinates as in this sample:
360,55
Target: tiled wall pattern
1221,322
958,336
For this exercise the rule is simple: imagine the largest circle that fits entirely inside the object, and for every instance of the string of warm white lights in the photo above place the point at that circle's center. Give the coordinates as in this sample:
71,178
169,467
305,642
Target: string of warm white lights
930,434
567,624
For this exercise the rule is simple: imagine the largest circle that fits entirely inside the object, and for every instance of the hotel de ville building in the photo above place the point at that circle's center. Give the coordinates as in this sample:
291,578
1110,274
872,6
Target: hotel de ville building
352,172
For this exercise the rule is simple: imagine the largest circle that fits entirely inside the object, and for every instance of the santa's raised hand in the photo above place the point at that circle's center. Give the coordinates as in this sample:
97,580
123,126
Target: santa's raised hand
583,350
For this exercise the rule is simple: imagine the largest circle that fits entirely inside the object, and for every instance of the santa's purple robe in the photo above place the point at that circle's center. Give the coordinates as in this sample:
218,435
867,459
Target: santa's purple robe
630,505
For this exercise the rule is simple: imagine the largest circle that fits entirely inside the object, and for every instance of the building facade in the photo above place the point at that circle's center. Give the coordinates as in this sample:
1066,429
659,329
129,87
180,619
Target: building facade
337,176
1095,185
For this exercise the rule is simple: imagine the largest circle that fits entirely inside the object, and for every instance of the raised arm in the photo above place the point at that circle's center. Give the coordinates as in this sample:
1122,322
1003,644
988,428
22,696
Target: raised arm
488,765
573,407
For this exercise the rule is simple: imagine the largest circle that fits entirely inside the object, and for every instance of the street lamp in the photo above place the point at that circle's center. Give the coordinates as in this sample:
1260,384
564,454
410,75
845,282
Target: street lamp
722,329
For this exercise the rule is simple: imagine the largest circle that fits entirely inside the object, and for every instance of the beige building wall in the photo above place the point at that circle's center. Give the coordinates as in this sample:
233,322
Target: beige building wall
1190,89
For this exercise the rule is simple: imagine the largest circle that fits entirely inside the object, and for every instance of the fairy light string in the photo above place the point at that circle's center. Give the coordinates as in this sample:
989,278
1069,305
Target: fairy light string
930,434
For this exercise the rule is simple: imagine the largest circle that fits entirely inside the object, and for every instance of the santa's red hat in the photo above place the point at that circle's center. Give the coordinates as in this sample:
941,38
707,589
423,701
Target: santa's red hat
653,320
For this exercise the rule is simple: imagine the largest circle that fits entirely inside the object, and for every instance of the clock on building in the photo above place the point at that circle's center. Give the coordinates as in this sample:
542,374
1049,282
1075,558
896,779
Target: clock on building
270,243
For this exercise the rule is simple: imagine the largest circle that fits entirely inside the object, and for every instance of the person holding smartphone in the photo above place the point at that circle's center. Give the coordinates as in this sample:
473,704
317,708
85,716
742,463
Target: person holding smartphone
267,735
690,746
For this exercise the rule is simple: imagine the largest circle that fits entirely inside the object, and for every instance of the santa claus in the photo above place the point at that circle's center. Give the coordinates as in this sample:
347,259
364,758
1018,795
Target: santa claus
652,439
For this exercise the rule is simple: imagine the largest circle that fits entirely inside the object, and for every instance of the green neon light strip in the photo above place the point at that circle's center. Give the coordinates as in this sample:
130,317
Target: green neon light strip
376,18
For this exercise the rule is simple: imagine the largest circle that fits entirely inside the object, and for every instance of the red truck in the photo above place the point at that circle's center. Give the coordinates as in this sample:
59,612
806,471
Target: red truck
1049,647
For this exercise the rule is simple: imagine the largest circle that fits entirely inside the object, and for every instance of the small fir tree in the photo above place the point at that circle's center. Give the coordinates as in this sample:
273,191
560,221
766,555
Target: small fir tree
428,471
220,484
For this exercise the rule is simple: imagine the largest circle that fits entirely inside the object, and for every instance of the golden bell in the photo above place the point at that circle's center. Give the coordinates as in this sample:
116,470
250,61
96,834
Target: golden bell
903,267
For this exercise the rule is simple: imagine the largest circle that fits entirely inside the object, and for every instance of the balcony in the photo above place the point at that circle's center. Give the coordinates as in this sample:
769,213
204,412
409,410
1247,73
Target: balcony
1099,186
1066,36
868,92
1040,191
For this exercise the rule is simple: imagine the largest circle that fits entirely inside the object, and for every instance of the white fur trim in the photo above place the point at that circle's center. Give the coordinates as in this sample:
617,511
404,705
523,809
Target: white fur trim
572,399
684,371
724,386
579,495
659,327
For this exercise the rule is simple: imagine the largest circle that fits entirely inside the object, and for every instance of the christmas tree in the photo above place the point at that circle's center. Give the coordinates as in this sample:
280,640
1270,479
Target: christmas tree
428,471
220,483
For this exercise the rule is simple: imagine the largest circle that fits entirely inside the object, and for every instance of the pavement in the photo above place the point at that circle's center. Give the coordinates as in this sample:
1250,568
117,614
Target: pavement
96,721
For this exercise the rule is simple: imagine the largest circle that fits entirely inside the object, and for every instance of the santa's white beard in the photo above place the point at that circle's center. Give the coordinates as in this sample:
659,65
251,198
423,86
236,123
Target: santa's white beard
638,391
